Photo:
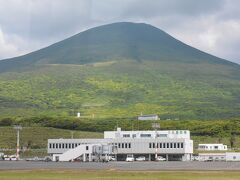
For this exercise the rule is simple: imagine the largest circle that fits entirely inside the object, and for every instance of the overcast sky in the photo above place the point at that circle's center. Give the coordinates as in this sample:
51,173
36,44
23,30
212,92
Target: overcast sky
209,25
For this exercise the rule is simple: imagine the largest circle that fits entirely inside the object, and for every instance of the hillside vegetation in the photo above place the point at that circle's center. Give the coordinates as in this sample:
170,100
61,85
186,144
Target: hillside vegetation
123,89
120,71
36,137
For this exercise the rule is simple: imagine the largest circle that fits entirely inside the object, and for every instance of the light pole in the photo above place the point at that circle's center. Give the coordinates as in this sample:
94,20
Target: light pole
18,128
156,126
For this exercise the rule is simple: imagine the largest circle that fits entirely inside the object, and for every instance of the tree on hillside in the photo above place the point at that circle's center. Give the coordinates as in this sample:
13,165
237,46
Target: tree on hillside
233,141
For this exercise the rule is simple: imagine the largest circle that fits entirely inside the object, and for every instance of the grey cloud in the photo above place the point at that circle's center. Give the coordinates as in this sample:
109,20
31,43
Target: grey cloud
151,8
27,25
43,18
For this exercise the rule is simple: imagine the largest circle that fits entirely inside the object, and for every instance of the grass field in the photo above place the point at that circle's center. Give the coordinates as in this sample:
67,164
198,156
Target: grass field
112,174
36,137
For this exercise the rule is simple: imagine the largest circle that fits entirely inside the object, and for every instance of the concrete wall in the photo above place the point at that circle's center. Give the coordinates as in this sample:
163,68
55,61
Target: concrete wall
232,156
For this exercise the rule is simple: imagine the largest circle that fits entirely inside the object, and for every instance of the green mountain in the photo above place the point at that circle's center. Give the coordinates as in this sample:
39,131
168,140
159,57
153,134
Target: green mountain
120,70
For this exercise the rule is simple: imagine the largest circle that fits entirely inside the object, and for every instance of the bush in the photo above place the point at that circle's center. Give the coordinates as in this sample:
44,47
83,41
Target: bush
6,122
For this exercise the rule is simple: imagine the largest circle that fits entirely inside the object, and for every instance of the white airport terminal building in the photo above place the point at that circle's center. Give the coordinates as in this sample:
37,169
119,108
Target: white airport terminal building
170,144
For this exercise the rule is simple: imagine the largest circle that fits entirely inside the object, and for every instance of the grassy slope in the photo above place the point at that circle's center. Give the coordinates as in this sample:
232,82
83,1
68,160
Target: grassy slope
123,89
67,175
37,136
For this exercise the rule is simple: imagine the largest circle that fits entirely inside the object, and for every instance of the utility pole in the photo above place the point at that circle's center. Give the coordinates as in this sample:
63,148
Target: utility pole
18,128
156,126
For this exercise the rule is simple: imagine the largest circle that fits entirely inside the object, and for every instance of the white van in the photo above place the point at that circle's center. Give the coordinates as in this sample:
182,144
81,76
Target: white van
130,158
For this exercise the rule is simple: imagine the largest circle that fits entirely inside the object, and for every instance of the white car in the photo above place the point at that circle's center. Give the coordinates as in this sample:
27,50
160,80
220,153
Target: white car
10,158
195,158
13,158
112,158
130,158
6,158
160,158
140,158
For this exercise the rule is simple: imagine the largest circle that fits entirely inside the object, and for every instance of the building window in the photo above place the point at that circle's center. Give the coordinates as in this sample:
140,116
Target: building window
50,145
157,145
69,146
126,145
134,135
164,145
53,146
129,145
126,135
160,145
153,144
122,145
145,135
119,145
178,145
171,145
181,145
86,148
60,146
161,135
174,145
234,157
167,145
150,145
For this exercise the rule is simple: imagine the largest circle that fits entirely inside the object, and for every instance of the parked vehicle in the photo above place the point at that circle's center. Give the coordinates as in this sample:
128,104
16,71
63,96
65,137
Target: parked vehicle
195,158
10,158
33,159
208,160
112,158
13,158
160,158
130,158
47,158
141,158
104,158
6,158
1,156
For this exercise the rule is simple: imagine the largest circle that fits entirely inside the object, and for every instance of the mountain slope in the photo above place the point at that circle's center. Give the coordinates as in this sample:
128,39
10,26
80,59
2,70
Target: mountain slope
136,41
120,70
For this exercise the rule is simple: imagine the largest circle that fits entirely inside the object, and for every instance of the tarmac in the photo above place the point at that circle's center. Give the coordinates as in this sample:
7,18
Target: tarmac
124,166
